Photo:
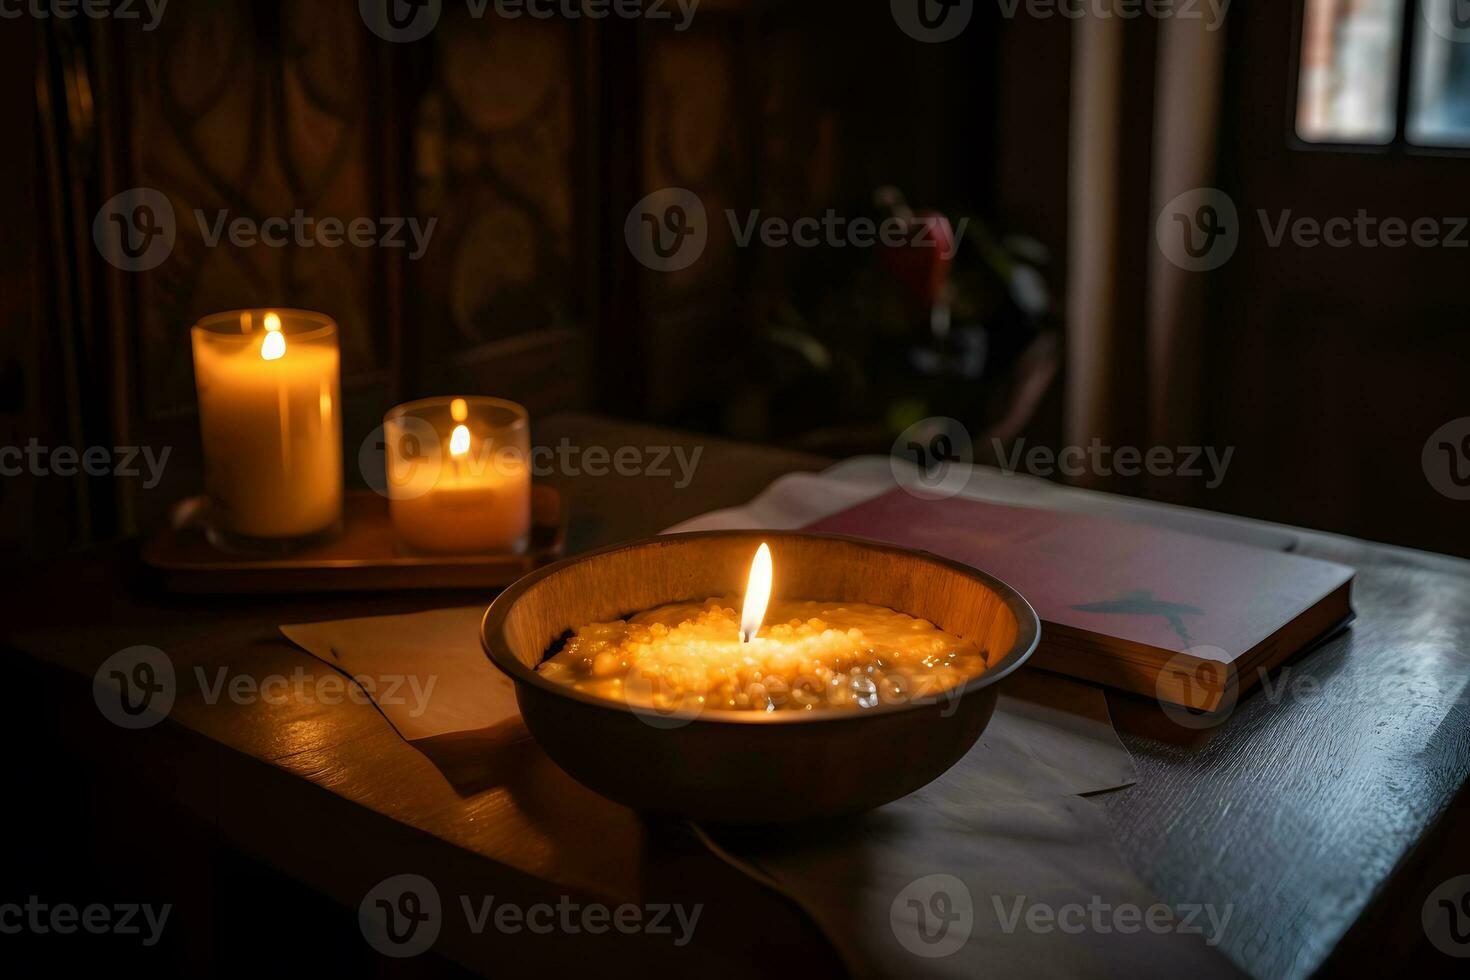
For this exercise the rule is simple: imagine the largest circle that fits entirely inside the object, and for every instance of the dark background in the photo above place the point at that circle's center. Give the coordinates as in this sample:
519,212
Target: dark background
531,140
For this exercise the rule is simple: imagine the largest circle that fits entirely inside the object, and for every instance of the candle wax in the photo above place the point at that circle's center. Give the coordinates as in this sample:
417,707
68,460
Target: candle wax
474,507
808,656
272,442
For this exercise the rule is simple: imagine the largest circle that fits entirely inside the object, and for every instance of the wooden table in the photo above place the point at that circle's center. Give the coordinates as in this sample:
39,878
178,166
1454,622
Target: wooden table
1323,813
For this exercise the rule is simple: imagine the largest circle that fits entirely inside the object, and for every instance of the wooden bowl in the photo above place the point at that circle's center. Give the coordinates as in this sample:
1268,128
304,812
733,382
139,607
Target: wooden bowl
754,767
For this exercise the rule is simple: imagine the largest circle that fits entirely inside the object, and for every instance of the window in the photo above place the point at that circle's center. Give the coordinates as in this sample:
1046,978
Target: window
1353,55
1439,113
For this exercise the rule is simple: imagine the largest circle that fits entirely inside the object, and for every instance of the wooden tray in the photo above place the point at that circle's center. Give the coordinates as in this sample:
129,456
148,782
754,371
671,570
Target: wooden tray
363,558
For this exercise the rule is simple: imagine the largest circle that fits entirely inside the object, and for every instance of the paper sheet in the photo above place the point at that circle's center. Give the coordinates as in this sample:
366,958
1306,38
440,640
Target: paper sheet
424,671
996,868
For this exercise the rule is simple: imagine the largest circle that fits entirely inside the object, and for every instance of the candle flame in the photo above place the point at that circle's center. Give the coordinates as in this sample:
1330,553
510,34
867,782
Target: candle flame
459,441
272,322
757,594
459,410
273,346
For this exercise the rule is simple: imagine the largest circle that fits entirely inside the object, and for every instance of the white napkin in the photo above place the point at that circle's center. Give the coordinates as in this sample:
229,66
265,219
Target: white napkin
799,499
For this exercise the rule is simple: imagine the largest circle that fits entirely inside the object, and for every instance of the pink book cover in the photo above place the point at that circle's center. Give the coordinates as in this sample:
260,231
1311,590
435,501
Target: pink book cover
1140,584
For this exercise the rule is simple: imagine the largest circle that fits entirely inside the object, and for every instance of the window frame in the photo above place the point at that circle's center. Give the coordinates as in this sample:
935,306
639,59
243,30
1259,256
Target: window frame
1403,94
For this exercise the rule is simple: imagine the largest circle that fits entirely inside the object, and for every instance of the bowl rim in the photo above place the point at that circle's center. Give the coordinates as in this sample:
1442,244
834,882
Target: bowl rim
1028,635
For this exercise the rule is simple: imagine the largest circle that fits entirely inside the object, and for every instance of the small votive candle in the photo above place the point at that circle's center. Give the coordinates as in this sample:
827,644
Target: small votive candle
269,391
459,475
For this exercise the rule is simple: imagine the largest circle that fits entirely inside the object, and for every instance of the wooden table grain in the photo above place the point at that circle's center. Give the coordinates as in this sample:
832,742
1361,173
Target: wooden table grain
1321,812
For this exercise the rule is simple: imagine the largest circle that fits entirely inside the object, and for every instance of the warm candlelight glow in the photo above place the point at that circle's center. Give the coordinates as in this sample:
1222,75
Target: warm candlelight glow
269,398
841,656
459,441
459,479
273,345
757,594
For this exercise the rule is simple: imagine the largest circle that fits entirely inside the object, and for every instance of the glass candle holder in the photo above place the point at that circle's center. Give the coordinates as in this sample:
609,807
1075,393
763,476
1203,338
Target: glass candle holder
269,384
459,475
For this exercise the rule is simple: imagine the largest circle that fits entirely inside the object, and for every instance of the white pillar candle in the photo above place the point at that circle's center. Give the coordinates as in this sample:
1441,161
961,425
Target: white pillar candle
269,401
459,475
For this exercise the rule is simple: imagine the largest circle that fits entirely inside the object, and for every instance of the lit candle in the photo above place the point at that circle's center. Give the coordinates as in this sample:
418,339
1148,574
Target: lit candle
813,655
459,475
269,389
757,594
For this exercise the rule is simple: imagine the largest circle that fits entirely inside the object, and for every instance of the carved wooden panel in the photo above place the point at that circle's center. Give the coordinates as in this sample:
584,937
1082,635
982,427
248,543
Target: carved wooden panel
495,140
231,114
692,140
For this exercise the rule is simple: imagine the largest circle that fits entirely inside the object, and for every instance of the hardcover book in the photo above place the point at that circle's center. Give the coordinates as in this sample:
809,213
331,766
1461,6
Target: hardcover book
1189,620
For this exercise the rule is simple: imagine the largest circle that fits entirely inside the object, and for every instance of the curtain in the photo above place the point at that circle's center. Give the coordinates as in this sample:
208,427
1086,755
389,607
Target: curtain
1145,113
